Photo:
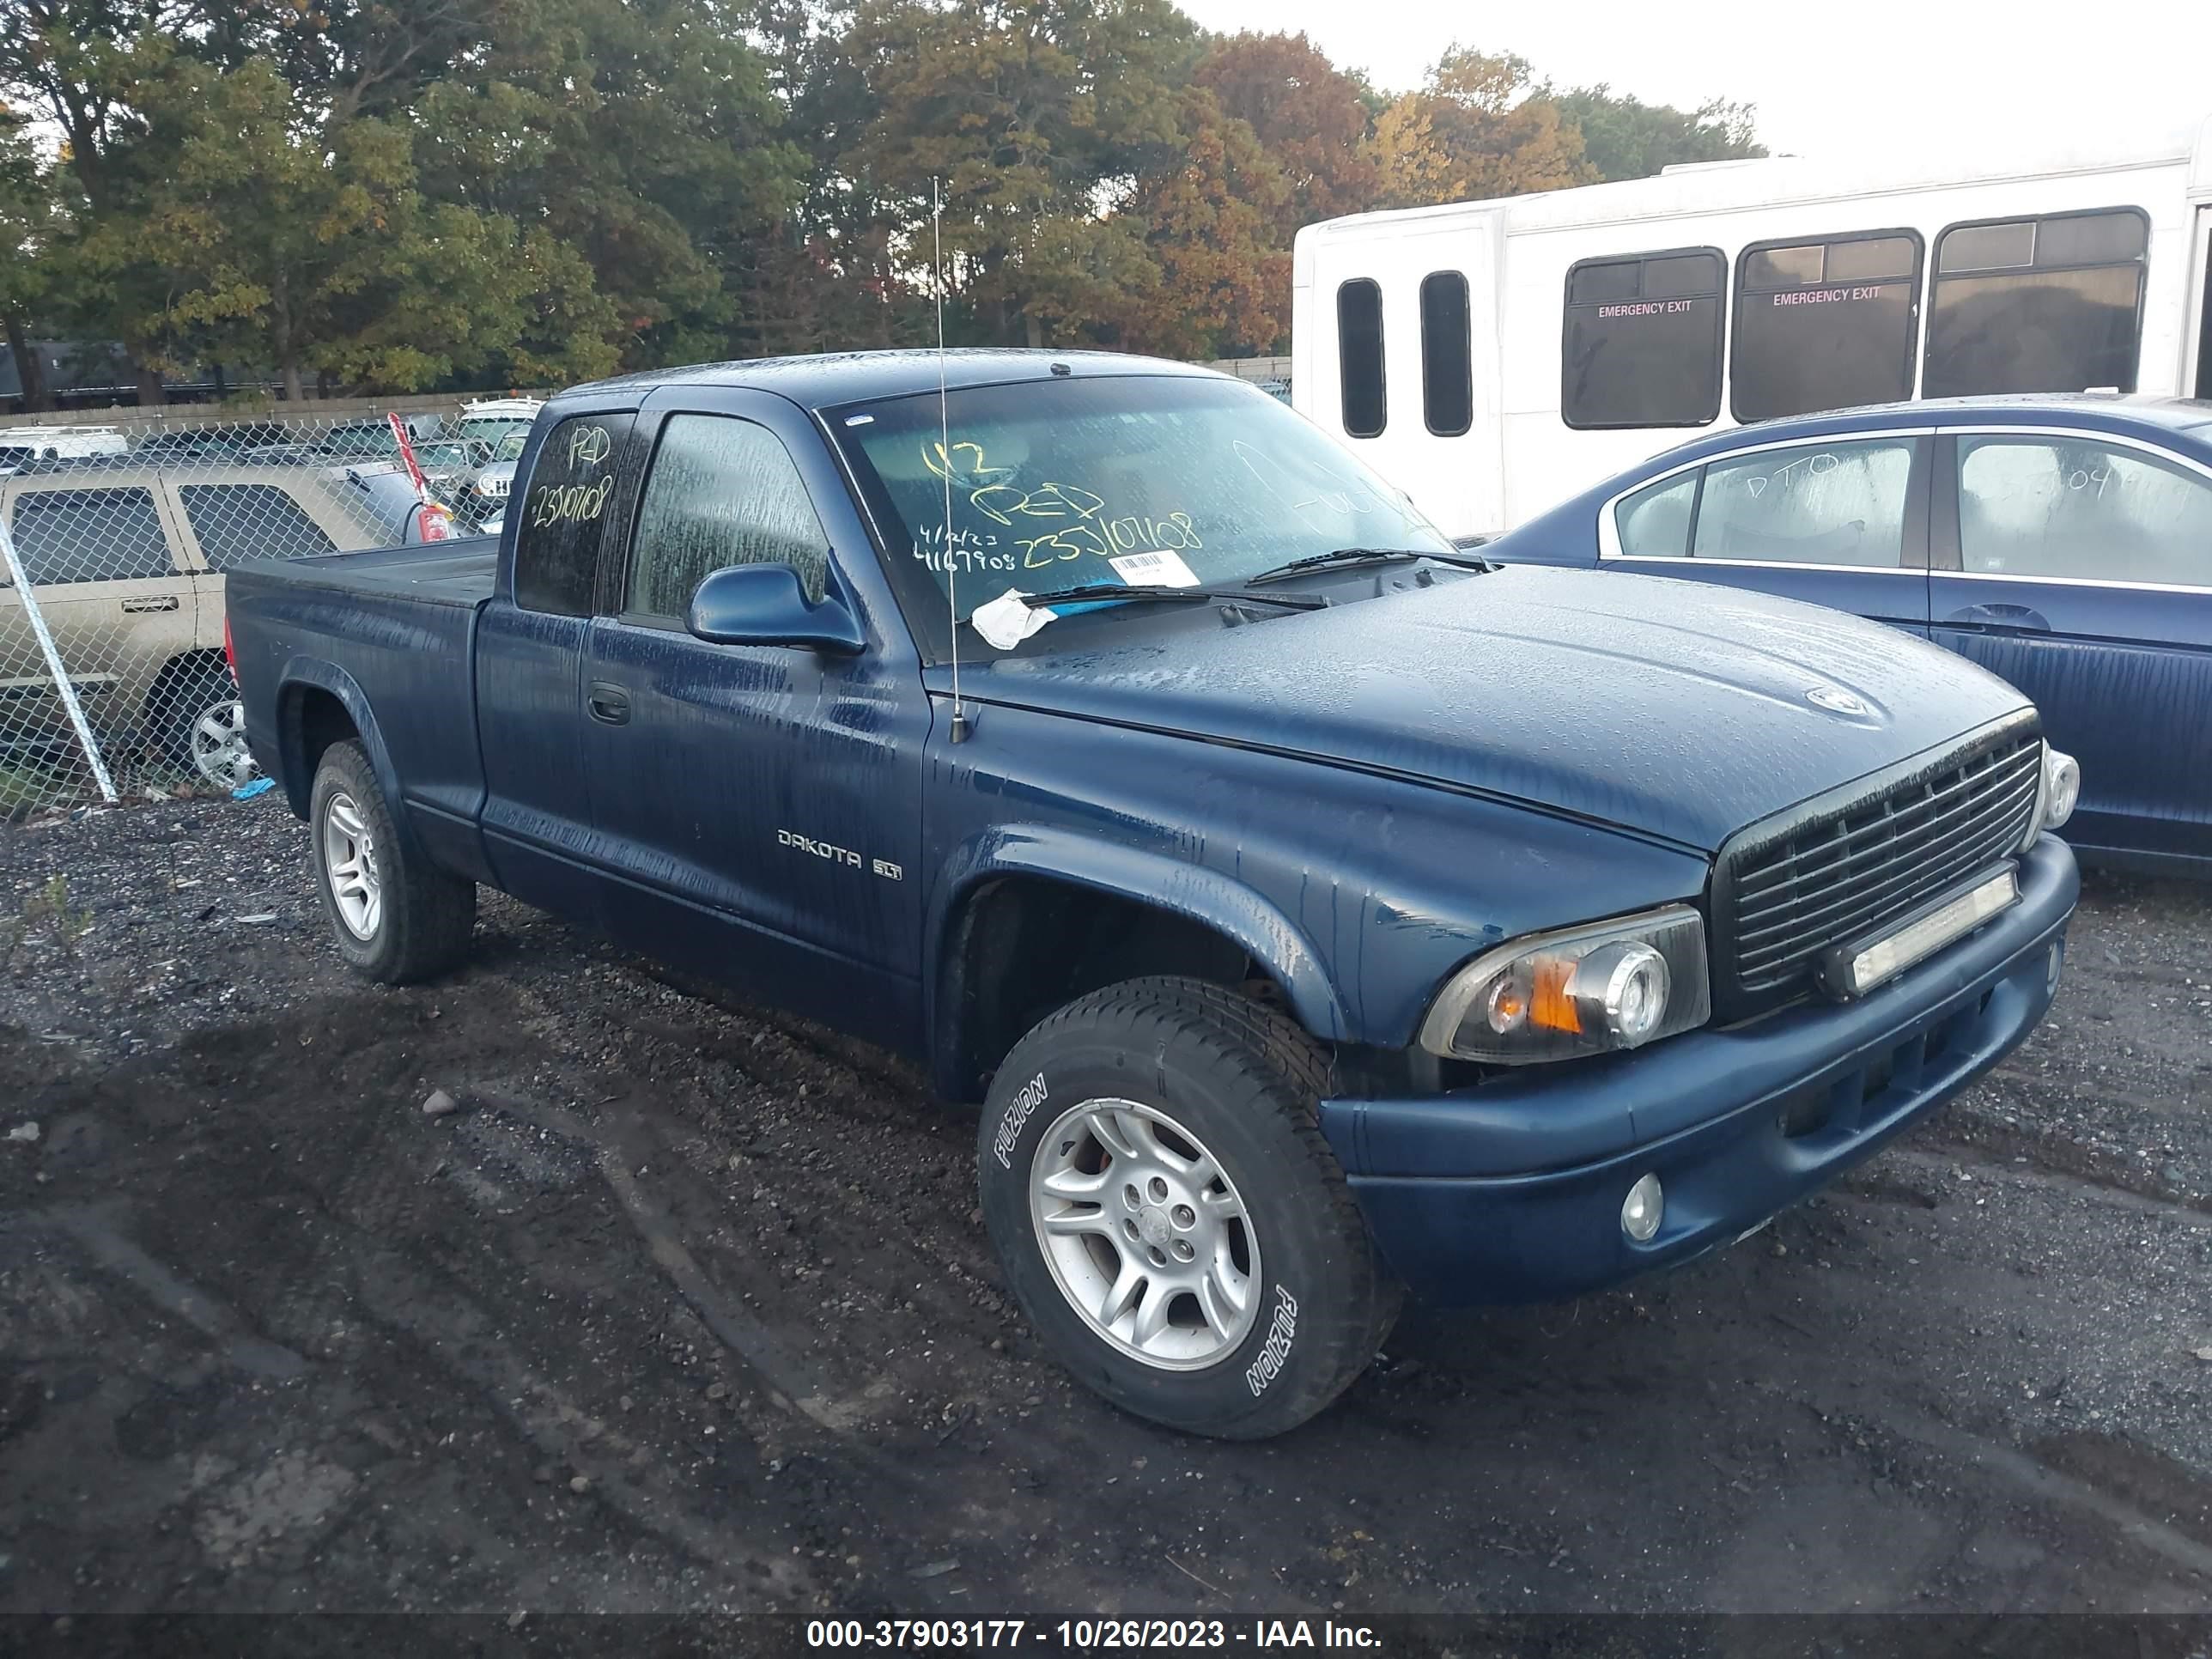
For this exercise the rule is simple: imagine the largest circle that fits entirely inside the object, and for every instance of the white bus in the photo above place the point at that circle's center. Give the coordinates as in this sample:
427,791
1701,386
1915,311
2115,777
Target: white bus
1491,358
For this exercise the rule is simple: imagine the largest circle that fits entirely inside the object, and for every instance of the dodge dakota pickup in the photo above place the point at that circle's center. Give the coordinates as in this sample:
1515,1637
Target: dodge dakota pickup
1316,911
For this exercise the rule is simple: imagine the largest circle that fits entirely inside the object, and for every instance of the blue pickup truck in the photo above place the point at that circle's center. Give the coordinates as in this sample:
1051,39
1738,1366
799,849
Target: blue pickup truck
1316,909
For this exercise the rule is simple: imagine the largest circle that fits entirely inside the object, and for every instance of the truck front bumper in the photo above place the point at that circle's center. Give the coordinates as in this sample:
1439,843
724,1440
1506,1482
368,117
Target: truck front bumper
1512,1191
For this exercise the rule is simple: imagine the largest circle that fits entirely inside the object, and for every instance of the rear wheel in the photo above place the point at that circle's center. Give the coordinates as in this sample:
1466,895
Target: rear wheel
205,723
1171,1220
394,916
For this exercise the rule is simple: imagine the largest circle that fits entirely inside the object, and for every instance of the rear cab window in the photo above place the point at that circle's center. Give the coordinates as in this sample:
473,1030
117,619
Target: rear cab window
562,521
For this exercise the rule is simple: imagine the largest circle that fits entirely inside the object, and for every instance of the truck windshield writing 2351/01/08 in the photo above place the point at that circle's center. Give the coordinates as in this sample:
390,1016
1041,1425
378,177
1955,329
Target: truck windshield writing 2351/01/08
1331,924
1145,480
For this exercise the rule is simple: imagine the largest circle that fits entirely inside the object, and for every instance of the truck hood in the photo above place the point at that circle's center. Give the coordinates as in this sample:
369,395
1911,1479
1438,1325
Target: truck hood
1674,709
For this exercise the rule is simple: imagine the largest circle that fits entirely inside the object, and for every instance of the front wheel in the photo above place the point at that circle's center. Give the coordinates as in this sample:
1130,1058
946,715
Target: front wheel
395,916
1155,1181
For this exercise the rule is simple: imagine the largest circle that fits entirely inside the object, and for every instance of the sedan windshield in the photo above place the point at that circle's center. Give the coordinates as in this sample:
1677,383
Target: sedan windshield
1146,480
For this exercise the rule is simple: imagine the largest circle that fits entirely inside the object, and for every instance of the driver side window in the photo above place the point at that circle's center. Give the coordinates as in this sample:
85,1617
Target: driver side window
722,491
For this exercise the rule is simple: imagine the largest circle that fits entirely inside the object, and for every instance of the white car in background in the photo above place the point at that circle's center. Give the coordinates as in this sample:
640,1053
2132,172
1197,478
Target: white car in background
20,446
492,419
486,498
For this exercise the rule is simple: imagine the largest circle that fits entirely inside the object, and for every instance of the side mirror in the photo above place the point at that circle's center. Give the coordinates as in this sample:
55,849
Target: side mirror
765,605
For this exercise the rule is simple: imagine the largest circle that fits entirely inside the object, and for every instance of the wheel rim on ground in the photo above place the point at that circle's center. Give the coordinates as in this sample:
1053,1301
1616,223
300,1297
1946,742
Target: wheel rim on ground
1146,1236
219,751
349,859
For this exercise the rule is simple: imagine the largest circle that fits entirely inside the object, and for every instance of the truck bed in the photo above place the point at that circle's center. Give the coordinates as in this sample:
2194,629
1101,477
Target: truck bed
439,573
389,635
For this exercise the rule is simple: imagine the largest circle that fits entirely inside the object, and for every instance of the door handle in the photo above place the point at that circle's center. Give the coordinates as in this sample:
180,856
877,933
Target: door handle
2022,618
139,607
609,703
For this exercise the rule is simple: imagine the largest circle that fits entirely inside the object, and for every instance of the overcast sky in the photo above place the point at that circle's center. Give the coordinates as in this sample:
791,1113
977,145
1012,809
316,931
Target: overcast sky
1828,78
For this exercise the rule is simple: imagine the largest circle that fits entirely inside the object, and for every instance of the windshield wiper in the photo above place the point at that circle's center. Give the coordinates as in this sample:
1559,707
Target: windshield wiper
1348,558
1089,590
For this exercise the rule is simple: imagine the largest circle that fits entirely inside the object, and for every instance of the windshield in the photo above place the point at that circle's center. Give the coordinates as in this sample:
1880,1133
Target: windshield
491,427
510,446
1139,479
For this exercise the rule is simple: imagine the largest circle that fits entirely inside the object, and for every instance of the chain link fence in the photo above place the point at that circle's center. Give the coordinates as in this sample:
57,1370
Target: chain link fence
113,542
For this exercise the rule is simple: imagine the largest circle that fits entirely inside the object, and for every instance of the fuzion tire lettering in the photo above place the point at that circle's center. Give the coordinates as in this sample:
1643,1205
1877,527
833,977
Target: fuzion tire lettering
1277,1348
1031,1097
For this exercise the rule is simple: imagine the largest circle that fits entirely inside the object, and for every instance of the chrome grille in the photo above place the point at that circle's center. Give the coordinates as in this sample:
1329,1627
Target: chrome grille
1841,865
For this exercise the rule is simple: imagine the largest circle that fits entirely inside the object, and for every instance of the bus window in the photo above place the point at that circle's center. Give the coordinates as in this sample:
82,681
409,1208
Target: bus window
1447,375
1359,356
2053,304
1642,341
1825,324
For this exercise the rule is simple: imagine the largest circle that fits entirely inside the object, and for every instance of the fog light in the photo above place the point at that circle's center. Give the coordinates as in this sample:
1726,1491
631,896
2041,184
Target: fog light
1642,1210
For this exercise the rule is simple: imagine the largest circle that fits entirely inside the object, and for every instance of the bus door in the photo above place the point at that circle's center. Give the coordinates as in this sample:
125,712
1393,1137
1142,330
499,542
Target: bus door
2201,381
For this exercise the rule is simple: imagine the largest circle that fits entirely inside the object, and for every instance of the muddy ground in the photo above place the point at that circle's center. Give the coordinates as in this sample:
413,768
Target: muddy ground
687,1308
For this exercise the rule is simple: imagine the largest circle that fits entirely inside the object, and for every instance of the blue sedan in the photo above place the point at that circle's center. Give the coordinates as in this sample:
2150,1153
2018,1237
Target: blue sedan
2064,543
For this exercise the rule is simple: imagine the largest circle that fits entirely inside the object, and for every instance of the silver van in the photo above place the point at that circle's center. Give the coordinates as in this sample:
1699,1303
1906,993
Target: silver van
126,562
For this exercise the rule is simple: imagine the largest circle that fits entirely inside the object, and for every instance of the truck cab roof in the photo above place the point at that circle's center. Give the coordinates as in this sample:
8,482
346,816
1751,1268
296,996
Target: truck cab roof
826,380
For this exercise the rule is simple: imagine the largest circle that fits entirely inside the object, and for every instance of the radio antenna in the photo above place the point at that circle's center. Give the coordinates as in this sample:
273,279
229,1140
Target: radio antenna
959,733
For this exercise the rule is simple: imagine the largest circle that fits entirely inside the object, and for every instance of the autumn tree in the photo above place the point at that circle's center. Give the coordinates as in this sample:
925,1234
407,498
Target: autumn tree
1038,116
1309,117
411,193
830,275
1624,137
1476,130
76,64
290,234
641,134
349,58
1210,214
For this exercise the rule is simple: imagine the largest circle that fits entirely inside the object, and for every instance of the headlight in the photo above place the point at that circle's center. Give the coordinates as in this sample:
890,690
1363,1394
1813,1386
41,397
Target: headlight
1579,991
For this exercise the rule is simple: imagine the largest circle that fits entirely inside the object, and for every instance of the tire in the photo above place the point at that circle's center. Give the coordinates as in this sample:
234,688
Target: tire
1188,1068
198,714
396,917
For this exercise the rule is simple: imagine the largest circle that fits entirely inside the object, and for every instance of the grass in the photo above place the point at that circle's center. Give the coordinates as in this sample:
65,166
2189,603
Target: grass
48,908
25,787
